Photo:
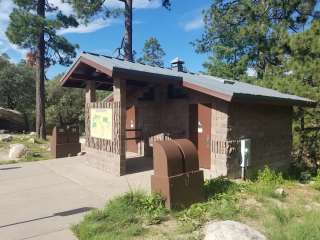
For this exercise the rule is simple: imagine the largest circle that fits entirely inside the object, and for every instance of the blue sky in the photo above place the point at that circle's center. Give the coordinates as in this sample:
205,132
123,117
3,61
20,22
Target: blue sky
174,29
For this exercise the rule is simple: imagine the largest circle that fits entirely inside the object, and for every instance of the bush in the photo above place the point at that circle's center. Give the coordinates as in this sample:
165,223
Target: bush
265,183
305,176
268,176
123,217
222,204
316,180
219,185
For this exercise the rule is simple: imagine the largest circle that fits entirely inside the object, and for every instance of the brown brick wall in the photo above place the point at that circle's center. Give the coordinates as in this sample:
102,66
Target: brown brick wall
268,127
162,117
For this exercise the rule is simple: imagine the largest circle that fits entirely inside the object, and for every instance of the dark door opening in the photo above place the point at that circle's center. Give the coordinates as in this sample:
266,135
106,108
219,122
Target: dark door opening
200,132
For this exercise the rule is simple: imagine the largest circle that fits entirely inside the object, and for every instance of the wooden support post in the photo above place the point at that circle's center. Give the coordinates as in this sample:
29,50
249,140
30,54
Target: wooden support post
90,91
90,96
119,95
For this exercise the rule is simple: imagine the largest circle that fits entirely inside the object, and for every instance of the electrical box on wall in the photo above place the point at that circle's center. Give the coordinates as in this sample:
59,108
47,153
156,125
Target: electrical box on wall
245,152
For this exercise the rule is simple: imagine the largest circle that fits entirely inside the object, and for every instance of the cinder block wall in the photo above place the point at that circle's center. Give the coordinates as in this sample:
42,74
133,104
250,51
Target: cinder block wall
163,115
219,134
159,117
270,130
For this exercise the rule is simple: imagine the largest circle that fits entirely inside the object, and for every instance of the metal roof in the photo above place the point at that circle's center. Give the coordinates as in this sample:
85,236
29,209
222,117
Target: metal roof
211,85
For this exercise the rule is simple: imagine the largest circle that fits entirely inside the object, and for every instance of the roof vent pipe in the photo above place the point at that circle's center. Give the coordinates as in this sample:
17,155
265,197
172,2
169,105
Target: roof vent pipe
177,64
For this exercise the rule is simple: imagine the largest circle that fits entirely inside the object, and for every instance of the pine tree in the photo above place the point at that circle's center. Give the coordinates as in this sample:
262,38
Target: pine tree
152,53
299,74
88,8
33,25
244,33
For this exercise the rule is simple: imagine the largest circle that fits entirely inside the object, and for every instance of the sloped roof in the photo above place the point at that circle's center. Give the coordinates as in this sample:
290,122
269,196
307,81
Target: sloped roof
218,87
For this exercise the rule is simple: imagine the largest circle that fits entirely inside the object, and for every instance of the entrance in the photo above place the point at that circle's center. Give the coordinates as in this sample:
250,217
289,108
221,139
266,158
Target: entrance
200,132
131,130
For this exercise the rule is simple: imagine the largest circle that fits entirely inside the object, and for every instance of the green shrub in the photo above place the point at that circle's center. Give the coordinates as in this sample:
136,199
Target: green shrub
219,185
305,176
122,218
316,180
222,204
265,183
269,176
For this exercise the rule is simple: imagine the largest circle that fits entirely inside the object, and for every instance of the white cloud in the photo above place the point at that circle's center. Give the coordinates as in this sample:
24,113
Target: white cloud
194,24
138,4
65,8
146,4
5,45
6,7
93,26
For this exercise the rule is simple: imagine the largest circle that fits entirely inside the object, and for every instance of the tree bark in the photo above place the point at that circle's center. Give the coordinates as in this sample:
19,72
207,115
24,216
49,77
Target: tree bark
128,31
40,78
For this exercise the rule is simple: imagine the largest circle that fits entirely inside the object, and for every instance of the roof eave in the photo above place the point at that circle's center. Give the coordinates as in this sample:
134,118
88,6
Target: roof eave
210,92
130,74
83,59
237,97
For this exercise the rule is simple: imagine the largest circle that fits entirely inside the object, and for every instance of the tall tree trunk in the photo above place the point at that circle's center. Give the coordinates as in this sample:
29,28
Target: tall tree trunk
128,31
40,78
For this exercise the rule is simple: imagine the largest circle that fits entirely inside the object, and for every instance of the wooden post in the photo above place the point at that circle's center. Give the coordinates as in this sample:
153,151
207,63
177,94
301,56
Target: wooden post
90,91
119,95
90,96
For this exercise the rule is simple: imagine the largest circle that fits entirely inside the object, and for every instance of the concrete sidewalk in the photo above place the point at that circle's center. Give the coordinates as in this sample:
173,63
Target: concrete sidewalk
40,200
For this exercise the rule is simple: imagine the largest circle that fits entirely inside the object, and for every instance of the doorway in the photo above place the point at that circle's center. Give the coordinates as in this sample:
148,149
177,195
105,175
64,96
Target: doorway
200,131
132,130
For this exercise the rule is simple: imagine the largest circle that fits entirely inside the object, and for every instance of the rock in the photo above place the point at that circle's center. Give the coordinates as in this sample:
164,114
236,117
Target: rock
5,137
280,192
3,131
231,230
82,140
12,120
308,207
81,153
17,151
32,133
32,140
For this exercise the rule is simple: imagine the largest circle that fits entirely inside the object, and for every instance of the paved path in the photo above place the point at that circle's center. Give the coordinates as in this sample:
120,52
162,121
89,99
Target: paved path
40,200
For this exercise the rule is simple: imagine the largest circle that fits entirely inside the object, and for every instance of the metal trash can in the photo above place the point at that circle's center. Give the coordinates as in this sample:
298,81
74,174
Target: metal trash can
176,173
64,142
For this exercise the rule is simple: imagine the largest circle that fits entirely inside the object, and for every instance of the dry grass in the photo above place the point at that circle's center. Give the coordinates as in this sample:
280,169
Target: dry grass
36,151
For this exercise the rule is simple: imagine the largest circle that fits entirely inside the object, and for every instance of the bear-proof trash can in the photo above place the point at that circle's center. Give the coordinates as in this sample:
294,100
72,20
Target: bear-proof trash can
177,177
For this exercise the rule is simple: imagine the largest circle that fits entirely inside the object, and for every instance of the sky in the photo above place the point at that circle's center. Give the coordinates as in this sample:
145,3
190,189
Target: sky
175,30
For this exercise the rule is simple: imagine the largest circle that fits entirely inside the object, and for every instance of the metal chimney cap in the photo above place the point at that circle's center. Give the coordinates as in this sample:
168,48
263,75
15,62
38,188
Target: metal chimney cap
177,60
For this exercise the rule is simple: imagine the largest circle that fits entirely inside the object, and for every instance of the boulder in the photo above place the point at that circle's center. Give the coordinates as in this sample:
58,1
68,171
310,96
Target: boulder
280,192
32,140
5,137
82,140
231,230
81,153
12,120
17,151
3,131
